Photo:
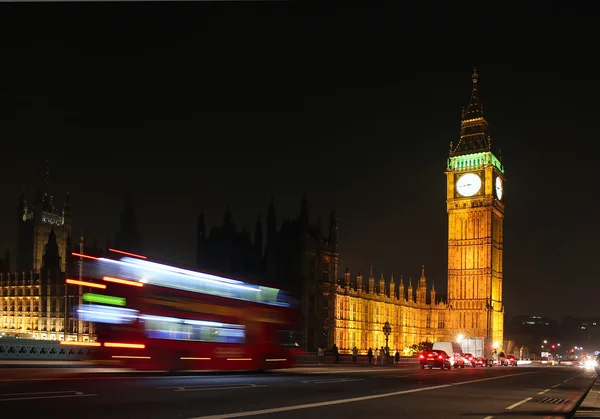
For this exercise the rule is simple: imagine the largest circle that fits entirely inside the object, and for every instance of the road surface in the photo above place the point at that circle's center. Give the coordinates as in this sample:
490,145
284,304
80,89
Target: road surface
321,392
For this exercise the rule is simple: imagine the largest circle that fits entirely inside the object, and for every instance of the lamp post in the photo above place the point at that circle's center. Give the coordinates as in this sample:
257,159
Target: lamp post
387,330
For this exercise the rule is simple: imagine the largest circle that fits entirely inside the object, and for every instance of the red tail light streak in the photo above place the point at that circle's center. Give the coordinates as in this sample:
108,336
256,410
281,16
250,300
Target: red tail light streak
128,254
123,281
85,284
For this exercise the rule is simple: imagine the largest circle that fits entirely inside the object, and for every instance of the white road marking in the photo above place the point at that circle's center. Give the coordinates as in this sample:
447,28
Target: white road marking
351,400
130,377
512,406
39,393
46,397
227,386
335,380
557,385
488,417
338,371
185,389
545,391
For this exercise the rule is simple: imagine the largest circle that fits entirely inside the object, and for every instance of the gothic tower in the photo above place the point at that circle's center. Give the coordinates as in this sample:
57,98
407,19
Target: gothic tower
475,182
35,223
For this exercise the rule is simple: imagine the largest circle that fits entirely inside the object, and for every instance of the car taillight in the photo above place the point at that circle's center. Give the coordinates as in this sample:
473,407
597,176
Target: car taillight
421,356
440,357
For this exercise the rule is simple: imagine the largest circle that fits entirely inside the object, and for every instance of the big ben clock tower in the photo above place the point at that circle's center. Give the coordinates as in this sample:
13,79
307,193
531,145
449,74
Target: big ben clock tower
475,204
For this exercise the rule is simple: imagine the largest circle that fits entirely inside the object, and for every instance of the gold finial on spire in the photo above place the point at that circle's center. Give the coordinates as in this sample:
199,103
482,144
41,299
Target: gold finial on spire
475,75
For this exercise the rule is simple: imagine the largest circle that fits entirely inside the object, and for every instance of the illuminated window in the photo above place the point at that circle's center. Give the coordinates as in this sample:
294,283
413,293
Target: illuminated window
177,329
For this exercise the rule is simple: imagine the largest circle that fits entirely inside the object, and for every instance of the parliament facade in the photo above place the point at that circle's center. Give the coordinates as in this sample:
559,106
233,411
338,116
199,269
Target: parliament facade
301,256
351,311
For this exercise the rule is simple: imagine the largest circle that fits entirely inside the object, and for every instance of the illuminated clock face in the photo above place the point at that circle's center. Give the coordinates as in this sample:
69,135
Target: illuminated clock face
499,188
468,184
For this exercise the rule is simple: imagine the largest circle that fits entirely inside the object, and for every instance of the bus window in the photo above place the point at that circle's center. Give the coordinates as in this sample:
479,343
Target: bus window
194,330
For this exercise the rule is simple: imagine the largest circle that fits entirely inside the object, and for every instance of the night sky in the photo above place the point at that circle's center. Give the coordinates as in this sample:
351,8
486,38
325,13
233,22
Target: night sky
200,105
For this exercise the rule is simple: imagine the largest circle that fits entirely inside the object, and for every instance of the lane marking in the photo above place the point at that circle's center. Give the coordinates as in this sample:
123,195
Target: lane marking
131,377
185,389
512,406
335,380
47,397
351,400
40,393
225,386
488,417
341,371
557,385
545,391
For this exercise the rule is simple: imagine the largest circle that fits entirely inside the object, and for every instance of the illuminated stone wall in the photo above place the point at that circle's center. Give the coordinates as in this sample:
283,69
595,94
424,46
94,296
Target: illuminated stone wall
361,312
31,309
475,248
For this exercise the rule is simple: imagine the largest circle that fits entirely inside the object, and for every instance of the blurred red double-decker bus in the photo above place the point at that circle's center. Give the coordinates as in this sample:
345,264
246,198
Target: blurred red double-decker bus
154,316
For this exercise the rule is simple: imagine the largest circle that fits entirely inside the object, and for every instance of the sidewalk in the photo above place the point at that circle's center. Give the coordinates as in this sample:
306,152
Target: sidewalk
590,407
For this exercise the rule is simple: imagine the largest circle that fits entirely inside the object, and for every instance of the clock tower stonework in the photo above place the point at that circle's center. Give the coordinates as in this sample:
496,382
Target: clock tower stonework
475,205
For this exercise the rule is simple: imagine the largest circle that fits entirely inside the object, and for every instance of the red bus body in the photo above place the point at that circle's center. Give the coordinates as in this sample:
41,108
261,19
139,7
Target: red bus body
143,325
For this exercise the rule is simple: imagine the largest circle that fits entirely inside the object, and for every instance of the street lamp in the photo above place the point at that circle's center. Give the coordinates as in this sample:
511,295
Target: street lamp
387,330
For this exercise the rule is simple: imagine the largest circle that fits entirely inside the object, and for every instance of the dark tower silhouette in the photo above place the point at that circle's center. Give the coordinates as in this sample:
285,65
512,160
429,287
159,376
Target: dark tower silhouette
333,230
128,238
271,228
200,239
258,236
51,262
7,261
34,225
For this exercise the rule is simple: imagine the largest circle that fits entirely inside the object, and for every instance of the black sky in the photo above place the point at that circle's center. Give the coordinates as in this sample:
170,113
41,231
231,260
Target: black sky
203,105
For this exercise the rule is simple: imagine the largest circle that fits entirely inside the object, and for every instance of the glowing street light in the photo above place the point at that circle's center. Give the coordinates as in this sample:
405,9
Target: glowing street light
496,344
387,330
459,338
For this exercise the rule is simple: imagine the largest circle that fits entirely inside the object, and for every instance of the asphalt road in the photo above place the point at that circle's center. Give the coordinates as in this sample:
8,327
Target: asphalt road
323,392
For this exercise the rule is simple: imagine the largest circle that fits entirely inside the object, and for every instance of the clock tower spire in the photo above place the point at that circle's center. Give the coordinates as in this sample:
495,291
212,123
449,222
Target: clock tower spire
474,135
475,206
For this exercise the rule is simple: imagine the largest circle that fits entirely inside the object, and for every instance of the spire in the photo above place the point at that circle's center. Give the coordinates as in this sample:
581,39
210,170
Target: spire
401,290
475,108
347,278
474,136
422,287
304,206
51,258
392,286
67,204
201,224
227,217
258,234
333,228
46,176
371,282
381,284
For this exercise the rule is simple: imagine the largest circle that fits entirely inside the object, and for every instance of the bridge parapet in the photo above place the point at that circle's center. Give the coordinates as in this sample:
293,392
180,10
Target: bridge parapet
31,349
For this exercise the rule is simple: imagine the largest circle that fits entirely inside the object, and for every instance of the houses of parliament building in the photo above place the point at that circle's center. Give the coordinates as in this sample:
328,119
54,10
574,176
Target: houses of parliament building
351,311
346,310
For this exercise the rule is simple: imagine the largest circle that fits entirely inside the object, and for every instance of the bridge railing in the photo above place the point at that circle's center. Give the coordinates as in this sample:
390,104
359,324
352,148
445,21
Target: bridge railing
36,350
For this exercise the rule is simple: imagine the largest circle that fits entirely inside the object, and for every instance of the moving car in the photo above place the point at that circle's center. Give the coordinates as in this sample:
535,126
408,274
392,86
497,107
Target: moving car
435,359
470,360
